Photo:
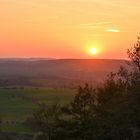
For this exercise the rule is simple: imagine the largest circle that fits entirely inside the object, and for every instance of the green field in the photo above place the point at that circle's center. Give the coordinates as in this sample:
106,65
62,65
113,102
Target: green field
18,104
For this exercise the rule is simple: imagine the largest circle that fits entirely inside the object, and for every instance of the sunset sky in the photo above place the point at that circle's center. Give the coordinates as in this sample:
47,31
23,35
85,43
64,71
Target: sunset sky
68,28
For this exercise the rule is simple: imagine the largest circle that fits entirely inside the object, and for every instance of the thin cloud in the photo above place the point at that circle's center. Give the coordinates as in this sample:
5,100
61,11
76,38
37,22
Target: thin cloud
113,30
95,25
102,23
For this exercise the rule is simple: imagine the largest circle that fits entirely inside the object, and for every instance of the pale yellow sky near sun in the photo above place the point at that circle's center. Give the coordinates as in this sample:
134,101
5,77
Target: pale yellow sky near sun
68,28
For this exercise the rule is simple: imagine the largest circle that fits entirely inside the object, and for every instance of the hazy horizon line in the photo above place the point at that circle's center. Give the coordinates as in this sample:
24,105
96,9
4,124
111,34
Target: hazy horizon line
69,58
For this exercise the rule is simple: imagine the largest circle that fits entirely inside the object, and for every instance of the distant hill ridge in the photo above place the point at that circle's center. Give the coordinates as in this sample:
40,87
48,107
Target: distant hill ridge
57,72
24,59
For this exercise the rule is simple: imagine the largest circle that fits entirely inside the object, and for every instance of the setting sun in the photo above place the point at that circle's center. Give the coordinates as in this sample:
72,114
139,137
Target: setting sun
93,51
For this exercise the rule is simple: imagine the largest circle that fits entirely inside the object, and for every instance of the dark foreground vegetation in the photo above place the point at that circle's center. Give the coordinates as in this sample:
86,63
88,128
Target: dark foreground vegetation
110,112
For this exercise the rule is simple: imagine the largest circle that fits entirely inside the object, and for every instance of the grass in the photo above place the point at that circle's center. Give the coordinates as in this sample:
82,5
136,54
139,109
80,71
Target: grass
17,104
18,128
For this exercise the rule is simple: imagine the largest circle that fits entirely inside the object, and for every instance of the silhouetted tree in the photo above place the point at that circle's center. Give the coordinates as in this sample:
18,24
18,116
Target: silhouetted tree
46,119
134,55
83,112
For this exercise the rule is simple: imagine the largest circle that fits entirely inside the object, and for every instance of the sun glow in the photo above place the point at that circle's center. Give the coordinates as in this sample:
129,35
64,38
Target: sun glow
93,51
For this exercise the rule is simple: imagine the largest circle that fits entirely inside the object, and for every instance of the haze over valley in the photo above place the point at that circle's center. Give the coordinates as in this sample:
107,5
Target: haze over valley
55,72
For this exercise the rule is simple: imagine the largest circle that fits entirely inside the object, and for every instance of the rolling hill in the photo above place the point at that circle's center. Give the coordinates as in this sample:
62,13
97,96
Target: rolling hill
55,72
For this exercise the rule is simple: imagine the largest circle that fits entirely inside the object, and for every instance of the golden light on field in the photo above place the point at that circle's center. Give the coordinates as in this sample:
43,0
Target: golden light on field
93,51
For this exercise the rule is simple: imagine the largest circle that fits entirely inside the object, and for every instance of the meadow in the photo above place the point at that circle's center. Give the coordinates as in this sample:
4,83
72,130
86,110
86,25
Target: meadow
16,105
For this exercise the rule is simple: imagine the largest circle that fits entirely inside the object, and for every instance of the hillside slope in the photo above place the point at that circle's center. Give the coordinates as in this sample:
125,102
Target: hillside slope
56,72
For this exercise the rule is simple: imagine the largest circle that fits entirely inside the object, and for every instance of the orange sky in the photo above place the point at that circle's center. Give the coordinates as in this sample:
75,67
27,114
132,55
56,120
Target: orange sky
68,28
